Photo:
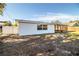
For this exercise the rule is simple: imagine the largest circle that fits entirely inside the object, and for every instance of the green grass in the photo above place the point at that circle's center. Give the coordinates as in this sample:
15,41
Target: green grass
73,35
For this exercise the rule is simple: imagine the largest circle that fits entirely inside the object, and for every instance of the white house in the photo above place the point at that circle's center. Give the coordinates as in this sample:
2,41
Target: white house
28,27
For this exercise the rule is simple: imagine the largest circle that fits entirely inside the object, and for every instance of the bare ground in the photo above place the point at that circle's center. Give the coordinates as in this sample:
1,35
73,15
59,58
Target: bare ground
48,45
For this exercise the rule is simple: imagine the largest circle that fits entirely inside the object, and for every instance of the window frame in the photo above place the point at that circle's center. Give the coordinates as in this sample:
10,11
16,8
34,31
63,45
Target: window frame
42,27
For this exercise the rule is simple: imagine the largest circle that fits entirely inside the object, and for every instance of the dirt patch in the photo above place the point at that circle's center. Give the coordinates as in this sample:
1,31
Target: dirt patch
51,45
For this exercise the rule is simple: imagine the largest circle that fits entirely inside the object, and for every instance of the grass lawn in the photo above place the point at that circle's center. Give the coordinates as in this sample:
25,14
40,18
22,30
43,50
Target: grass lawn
77,33
73,35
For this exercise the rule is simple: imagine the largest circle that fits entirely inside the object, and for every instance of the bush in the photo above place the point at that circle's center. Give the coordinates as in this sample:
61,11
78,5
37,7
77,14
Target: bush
6,23
15,24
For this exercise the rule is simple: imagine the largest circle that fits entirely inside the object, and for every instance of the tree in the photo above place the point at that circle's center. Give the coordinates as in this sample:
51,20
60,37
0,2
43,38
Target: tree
2,6
57,22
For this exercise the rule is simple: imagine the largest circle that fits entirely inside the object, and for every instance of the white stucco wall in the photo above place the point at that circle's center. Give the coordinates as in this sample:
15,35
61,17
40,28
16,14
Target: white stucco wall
31,29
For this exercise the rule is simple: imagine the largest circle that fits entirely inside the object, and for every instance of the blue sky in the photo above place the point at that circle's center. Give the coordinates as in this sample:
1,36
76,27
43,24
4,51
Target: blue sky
41,11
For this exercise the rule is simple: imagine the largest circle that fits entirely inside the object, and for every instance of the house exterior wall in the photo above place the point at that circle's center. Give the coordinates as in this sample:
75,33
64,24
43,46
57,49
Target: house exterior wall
9,30
31,29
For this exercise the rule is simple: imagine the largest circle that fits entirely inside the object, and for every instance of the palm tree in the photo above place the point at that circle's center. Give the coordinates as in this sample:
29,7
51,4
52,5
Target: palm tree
2,6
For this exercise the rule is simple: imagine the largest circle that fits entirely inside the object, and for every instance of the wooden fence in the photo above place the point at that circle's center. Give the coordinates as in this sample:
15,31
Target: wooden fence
73,29
60,28
9,30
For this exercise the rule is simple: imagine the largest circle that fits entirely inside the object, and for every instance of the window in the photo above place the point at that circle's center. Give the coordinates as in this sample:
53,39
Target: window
44,27
41,27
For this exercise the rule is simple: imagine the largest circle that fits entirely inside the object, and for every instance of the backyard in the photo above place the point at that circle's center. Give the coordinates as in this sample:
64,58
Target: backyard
58,44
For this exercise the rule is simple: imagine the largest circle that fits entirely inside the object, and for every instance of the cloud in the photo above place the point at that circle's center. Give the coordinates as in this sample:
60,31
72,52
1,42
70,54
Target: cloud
47,17
55,16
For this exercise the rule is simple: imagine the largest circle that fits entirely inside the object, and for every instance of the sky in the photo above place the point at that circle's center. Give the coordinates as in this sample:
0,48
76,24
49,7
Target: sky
48,12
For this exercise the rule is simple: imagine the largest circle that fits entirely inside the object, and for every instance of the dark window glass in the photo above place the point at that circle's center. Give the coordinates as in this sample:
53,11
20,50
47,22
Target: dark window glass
44,27
41,27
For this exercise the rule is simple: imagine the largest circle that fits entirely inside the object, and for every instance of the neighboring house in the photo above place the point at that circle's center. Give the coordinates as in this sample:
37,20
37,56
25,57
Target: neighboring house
73,23
60,28
73,26
28,27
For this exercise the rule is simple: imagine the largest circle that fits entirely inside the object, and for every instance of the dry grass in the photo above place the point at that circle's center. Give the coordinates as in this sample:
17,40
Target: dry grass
50,45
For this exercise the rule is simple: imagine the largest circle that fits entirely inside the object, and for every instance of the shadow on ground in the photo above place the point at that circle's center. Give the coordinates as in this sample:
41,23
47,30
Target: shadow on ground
34,46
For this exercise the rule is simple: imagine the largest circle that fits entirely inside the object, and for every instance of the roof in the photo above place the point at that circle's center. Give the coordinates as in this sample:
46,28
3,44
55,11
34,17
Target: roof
61,24
71,23
33,22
